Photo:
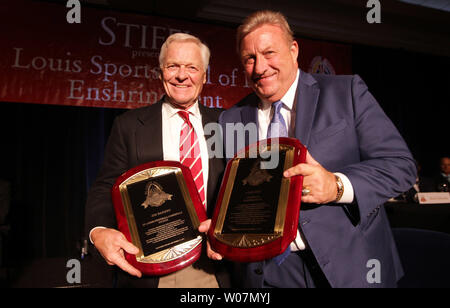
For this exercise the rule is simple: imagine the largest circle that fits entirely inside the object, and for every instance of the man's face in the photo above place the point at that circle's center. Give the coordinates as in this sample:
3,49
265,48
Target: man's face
183,73
445,165
270,62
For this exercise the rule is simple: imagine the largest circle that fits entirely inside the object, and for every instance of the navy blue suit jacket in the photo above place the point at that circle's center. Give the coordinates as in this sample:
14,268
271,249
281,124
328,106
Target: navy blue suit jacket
346,131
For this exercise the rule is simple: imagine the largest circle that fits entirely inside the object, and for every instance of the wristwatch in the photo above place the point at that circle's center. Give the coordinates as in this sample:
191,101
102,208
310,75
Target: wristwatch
340,188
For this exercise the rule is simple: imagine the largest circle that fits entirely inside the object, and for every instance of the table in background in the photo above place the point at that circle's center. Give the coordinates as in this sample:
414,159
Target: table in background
435,217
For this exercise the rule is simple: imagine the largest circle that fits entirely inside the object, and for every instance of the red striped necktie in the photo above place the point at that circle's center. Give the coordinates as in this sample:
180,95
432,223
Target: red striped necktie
190,153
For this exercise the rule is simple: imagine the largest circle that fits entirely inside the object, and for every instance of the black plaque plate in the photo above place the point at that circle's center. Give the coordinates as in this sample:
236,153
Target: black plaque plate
253,204
165,225
159,210
256,215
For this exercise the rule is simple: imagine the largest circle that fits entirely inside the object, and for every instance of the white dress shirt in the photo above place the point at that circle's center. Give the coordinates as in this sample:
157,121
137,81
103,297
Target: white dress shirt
171,128
288,111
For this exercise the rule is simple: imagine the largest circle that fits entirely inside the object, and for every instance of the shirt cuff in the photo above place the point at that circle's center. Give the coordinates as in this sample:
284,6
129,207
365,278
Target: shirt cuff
90,239
348,195
298,243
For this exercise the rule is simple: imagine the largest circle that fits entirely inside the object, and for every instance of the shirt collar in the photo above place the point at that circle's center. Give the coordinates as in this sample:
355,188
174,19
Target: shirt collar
288,98
171,110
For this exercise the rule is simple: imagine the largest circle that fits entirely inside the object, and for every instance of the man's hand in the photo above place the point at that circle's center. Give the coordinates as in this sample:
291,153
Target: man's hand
204,227
320,182
111,244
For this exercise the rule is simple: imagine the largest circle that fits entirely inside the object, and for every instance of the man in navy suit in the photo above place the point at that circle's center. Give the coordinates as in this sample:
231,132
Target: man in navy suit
356,161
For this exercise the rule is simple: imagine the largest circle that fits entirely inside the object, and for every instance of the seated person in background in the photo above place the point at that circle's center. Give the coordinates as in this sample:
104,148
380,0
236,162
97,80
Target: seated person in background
443,179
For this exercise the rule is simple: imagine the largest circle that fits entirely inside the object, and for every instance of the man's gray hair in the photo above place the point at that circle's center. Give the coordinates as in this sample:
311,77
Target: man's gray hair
184,37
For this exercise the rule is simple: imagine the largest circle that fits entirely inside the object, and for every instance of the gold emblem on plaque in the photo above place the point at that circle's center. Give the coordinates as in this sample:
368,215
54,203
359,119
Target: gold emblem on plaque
257,175
155,195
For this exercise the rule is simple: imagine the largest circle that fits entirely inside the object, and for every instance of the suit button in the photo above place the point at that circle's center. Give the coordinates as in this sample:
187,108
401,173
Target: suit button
258,271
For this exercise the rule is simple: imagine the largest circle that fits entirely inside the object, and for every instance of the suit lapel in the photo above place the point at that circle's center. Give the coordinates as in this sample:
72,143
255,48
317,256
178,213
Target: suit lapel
307,98
207,115
249,114
215,164
149,135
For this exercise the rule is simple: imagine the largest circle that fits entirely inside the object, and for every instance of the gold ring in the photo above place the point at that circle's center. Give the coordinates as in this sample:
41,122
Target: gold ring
306,191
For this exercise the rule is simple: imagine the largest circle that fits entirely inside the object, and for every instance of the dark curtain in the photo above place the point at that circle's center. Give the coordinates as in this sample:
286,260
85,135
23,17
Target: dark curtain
50,155
414,91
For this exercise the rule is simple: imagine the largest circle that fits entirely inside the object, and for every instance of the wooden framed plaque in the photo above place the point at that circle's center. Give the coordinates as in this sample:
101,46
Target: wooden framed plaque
256,215
159,210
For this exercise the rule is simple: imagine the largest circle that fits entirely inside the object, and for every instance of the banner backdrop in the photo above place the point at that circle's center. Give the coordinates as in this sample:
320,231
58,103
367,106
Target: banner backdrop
110,59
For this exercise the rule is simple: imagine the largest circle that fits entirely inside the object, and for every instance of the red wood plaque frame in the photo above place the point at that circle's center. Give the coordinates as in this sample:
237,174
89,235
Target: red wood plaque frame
183,253
253,247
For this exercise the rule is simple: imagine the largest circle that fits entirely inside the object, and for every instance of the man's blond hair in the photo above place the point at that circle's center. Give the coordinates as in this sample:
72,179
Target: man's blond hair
260,18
